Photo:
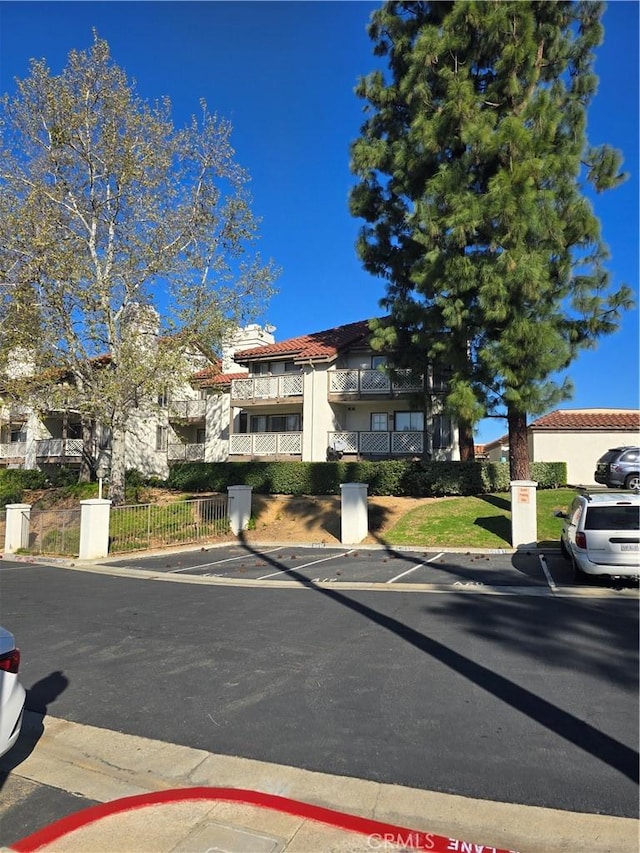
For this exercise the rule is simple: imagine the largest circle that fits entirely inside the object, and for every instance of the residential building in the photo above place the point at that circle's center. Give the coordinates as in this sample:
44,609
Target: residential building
579,437
328,395
320,396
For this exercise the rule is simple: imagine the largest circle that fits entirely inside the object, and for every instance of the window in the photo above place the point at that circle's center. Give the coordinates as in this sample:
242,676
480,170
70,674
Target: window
262,369
379,422
378,361
161,438
275,423
441,432
441,377
163,398
201,436
409,421
18,436
291,367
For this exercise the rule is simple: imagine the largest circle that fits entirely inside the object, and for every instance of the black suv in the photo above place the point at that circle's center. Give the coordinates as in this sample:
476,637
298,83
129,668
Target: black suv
619,466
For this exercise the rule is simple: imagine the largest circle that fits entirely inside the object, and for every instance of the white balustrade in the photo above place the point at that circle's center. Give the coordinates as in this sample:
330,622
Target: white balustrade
378,442
188,409
407,442
186,452
353,381
13,449
55,447
266,444
268,387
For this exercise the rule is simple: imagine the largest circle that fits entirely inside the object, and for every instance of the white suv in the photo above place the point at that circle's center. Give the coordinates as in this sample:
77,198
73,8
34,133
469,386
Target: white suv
601,535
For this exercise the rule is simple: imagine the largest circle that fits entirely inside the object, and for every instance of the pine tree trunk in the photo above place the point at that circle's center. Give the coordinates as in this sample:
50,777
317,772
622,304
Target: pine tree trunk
465,442
518,446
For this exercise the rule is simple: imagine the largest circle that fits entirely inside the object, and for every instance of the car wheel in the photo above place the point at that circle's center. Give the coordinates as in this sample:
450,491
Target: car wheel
632,481
578,575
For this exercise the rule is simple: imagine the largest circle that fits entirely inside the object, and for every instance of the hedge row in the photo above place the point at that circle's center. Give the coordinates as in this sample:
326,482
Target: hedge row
415,479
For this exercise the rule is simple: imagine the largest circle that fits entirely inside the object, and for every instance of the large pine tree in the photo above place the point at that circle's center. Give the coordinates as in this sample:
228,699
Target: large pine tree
473,165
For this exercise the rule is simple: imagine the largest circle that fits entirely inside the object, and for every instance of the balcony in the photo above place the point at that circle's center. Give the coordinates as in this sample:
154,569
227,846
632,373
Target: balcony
180,452
369,384
13,451
187,410
260,388
266,444
59,448
378,443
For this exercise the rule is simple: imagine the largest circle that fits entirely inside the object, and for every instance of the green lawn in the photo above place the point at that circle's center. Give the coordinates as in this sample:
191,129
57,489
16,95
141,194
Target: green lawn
476,522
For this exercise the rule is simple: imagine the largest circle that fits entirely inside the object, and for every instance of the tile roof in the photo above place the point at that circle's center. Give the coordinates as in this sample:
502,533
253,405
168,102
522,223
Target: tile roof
586,419
221,379
212,376
318,346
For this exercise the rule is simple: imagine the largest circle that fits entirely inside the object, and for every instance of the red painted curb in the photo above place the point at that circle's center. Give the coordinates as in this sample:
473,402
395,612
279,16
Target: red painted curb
380,834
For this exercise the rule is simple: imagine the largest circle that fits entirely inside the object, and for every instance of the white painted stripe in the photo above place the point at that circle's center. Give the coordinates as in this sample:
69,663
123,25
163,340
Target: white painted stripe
220,562
408,572
547,573
306,565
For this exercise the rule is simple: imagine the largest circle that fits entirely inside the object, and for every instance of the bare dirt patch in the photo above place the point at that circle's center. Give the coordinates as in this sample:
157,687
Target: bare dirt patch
278,518
316,519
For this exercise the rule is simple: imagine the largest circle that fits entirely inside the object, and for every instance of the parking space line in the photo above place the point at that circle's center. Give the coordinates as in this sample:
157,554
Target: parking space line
547,573
306,565
220,562
430,560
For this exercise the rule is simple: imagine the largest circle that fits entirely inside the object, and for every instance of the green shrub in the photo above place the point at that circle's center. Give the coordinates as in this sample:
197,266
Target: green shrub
10,494
389,477
23,478
60,477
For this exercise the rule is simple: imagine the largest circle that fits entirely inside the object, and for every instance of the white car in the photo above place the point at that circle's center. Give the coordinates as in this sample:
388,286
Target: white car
12,693
601,535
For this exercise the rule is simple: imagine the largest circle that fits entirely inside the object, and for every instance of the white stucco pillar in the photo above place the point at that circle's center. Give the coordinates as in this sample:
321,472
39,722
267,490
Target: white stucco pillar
16,534
239,507
524,523
94,528
354,516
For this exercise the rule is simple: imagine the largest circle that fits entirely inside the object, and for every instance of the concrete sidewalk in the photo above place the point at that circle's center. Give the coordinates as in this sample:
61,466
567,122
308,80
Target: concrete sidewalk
169,805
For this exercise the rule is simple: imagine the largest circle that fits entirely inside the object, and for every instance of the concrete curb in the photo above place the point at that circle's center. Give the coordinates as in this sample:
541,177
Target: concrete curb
105,765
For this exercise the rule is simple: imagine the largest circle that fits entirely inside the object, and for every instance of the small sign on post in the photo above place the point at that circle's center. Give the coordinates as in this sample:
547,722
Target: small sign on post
524,523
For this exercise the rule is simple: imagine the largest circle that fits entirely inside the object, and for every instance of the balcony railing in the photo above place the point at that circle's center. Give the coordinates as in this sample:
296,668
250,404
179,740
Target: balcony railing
374,382
378,443
185,452
58,447
267,387
187,410
266,444
13,450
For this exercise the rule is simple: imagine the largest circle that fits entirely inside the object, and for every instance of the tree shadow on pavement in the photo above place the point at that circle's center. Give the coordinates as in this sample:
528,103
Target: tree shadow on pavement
39,697
564,724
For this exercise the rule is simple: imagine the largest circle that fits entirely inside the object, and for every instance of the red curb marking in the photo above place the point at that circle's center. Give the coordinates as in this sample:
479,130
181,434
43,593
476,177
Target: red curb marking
381,834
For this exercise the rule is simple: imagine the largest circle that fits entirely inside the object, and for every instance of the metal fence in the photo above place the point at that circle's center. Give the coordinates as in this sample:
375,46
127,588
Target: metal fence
54,531
144,526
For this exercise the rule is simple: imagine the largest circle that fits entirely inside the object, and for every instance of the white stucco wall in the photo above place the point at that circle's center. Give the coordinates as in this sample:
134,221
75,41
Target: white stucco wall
140,444
218,421
580,450
317,415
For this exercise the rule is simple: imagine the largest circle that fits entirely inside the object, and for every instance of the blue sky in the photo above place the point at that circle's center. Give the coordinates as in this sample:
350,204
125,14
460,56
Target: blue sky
283,74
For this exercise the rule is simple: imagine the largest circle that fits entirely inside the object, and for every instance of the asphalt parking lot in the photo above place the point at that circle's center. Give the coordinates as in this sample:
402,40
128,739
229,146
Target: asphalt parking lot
532,571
